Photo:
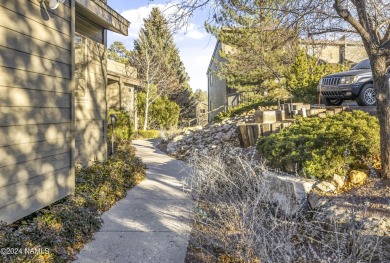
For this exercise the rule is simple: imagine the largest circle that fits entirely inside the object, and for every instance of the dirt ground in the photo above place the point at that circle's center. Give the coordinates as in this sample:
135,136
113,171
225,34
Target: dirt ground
375,194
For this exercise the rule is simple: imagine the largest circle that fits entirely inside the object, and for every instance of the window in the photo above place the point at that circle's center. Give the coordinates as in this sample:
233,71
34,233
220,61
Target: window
202,111
210,79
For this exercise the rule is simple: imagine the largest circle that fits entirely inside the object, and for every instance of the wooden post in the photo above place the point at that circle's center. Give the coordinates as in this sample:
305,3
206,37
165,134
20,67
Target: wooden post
251,135
244,136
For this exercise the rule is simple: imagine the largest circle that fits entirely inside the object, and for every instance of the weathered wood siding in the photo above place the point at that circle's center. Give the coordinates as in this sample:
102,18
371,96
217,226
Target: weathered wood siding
35,106
216,87
88,28
90,105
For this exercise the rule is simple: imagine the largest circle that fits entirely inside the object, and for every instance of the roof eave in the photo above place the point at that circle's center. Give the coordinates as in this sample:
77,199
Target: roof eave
103,15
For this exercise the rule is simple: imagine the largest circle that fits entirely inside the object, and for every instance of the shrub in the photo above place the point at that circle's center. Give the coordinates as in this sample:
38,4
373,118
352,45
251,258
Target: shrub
304,74
65,226
163,113
148,134
124,128
322,147
168,135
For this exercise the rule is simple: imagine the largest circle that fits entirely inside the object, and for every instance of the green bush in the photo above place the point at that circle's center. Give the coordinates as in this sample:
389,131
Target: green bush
65,226
241,109
321,147
148,134
163,113
124,128
304,74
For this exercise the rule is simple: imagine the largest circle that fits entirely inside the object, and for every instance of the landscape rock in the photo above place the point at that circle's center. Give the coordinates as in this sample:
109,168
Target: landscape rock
326,187
171,147
338,181
213,139
226,137
357,177
178,138
315,201
289,192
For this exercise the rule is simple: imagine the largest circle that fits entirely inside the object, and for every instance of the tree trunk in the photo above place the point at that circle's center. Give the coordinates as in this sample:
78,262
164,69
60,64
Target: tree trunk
146,111
381,84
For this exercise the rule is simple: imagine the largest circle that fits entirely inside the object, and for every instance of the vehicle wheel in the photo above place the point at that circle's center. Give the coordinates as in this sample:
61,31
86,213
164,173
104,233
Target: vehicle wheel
367,96
332,102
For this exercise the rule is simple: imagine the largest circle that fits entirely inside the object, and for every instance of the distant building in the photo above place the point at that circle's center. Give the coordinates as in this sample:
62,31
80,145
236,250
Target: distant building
201,113
221,97
336,52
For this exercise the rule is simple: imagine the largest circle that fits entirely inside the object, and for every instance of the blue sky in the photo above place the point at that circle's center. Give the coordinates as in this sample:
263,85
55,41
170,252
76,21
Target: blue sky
195,45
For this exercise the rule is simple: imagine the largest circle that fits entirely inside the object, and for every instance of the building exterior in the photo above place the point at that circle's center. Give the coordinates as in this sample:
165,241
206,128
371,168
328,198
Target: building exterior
336,52
201,113
221,97
53,78
121,89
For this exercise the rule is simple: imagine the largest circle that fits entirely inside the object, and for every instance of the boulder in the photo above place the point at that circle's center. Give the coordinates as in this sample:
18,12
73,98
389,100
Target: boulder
178,138
326,187
357,177
338,181
171,147
288,192
315,201
226,137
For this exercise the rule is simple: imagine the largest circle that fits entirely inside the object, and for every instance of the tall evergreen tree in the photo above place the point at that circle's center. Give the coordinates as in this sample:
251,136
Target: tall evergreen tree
158,62
261,48
118,52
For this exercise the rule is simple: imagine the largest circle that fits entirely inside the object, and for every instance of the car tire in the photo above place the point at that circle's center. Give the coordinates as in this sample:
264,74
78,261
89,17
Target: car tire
332,102
366,96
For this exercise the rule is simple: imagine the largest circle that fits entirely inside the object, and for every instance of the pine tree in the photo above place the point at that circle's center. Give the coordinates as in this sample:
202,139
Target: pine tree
261,48
157,60
118,52
304,75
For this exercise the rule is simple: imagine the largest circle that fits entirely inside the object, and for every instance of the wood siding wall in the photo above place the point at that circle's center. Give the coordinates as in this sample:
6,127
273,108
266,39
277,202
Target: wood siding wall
90,105
88,28
121,96
216,88
35,106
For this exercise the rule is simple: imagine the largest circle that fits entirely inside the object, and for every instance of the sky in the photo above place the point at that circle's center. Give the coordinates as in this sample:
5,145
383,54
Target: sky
194,43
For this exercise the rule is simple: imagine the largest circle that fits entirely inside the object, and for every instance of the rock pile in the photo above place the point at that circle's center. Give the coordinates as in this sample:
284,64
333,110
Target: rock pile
355,178
210,140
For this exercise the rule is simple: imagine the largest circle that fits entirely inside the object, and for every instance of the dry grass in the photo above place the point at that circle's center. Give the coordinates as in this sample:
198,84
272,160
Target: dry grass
168,134
235,222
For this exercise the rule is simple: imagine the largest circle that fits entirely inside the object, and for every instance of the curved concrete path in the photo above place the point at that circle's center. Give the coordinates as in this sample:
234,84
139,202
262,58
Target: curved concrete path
152,223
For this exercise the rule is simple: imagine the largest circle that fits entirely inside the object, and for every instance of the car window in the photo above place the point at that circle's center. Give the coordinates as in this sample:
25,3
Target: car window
365,64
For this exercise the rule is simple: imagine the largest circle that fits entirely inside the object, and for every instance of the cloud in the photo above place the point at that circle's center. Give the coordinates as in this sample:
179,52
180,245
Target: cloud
192,32
136,16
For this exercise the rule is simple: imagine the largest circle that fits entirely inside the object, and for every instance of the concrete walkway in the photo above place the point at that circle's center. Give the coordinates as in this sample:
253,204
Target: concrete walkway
152,223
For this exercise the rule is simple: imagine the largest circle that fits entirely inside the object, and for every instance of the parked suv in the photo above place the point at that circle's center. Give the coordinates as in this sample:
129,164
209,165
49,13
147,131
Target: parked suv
355,84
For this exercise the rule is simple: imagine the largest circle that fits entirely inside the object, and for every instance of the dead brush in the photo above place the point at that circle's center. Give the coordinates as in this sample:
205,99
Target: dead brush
234,217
